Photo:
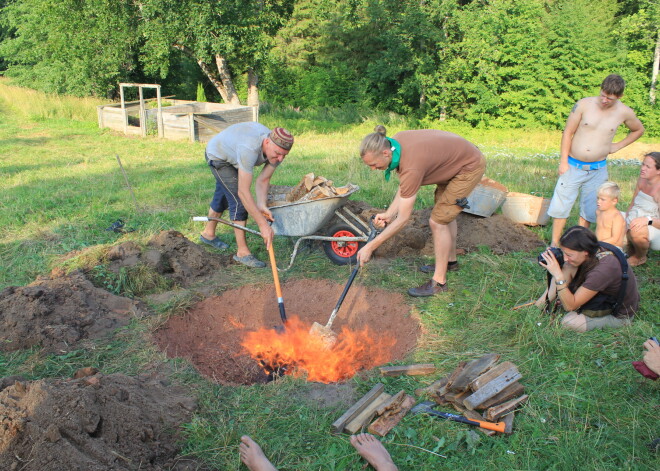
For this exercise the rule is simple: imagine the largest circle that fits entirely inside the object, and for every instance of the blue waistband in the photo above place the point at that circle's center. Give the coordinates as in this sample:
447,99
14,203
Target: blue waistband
586,165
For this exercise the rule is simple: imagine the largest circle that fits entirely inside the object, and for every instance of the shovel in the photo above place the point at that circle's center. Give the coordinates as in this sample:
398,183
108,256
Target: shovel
325,332
271,255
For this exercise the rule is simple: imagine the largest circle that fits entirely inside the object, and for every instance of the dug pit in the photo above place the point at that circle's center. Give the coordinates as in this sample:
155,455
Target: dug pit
374,326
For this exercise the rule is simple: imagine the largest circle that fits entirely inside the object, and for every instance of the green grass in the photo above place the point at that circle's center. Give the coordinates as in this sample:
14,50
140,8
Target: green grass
62,187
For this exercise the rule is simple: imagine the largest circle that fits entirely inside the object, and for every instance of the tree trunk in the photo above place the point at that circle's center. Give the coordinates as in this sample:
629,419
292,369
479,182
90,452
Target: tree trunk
253,89
656,65
225,77
213,78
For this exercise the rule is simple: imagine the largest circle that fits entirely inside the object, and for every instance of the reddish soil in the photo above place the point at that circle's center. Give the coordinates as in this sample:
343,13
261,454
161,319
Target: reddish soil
211,332
93,423
57,314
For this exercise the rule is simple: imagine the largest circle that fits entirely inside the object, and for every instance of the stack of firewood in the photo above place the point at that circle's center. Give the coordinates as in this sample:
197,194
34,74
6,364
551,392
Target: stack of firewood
480,390
312,187
481,385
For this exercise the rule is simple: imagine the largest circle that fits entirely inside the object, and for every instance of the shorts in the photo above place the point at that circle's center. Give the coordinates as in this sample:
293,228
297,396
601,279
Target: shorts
446,194
569,185
226,190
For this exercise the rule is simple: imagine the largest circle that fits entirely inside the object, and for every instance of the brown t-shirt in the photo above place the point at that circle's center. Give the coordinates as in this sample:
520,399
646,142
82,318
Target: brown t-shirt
429,156
606,278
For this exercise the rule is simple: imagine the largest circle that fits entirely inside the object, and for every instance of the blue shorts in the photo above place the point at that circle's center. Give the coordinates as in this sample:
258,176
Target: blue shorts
569,185
226,190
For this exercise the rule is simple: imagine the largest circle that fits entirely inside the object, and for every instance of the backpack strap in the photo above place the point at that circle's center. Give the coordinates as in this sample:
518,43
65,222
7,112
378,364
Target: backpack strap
616,251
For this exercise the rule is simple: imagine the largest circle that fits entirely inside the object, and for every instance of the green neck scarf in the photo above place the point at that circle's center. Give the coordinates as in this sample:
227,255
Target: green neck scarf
396,156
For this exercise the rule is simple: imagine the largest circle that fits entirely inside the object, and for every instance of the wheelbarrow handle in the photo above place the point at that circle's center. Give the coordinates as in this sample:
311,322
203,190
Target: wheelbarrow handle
224,221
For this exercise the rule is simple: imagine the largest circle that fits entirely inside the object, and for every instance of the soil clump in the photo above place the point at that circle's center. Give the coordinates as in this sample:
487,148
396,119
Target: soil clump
96,422
211,332
170,254
58,313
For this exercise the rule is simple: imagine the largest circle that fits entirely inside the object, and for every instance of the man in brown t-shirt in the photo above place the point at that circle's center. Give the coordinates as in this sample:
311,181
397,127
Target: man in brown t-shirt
424,157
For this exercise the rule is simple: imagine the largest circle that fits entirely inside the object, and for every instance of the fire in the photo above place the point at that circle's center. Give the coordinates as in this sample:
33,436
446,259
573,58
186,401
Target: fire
297,352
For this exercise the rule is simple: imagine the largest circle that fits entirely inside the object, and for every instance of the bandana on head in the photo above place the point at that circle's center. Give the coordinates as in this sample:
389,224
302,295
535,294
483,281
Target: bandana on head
396,156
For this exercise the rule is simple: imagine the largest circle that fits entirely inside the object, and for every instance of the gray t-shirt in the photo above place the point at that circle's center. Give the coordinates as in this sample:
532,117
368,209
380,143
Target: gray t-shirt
239,145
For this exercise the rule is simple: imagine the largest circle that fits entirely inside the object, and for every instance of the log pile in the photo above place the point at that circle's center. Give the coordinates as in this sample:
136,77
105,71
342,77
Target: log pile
313,187
481,389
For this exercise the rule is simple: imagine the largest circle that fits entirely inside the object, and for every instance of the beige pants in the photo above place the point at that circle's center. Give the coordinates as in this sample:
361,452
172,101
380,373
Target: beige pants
582,323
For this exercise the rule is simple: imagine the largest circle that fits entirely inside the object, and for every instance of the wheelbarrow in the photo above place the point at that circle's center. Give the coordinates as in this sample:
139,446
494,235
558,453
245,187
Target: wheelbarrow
308,220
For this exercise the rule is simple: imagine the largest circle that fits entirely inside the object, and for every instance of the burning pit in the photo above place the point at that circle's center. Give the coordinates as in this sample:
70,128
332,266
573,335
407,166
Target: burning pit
231,337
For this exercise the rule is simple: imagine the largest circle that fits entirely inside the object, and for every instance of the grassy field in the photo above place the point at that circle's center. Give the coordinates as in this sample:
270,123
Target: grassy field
588,409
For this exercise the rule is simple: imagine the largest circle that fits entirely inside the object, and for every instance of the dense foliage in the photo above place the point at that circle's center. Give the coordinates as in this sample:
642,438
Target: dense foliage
502,63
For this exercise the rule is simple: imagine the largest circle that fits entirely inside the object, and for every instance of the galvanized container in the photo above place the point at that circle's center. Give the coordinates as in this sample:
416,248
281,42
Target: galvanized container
526,209
303,218
484,200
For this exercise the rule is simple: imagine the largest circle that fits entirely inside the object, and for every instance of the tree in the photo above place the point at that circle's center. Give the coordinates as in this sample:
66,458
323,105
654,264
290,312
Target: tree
227,39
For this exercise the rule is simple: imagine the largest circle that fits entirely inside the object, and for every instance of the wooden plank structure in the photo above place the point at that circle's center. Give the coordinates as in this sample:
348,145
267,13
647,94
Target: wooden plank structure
183,119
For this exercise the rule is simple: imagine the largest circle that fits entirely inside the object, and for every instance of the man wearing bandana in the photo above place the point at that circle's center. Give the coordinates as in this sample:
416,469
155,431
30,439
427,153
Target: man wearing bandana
424,157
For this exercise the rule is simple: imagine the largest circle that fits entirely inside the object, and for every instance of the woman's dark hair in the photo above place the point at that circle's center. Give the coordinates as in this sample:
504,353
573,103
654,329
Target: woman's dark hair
655,156
374,142
581,239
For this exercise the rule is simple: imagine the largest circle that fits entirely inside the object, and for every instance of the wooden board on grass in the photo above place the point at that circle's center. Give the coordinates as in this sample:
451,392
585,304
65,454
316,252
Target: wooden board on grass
339,424
472,370
411,370
367,414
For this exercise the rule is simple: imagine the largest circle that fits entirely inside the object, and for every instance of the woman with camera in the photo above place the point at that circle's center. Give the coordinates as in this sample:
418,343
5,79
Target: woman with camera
588,282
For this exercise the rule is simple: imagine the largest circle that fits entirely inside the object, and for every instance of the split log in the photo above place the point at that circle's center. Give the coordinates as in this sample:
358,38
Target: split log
355,409
494,387
367,414
387,421
513,390
472,370
457,397
411,370
494,413
508,420
454,374
490,375
432,389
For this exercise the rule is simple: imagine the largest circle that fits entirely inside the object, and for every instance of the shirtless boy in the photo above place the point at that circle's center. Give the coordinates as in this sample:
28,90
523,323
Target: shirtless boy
643,216
585,145
610,223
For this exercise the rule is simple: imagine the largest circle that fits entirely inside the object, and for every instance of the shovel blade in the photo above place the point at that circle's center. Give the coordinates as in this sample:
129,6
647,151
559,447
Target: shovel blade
326,334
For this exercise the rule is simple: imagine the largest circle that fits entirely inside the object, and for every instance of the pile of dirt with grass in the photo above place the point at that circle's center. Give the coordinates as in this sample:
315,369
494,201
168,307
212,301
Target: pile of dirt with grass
170,254
211,332
58,313
95,422
497,232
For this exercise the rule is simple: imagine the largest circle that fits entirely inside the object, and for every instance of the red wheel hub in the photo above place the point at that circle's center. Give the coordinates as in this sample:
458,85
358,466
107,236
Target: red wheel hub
344,249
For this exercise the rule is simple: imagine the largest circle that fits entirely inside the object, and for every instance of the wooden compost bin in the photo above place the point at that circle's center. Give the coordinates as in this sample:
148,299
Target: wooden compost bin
183,119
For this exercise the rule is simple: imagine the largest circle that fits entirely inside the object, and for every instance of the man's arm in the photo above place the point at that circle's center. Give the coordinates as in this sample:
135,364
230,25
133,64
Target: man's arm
261,189
405,209
245,194
572,124
636,131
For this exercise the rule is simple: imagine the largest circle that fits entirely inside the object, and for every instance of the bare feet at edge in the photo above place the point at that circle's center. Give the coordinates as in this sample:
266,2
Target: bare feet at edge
253,456
372,450
635,261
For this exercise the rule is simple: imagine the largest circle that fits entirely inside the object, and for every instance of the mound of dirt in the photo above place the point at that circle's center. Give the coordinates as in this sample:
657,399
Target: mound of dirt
497,232
58,313
172,255
211,332
93,423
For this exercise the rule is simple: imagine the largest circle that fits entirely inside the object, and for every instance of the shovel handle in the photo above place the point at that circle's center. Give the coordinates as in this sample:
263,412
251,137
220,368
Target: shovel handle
276,279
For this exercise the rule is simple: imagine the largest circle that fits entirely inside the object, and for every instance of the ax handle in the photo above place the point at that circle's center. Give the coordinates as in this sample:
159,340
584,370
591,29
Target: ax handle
497,427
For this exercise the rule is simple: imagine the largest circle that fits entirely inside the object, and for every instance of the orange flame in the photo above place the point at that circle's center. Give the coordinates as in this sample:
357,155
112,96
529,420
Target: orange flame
305,354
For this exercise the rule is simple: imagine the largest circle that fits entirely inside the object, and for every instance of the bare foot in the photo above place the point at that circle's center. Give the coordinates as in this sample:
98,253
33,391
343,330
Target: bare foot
253,456
373,451
635,261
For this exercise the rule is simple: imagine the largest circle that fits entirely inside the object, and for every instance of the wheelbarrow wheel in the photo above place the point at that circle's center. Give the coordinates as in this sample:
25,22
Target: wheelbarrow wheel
342,253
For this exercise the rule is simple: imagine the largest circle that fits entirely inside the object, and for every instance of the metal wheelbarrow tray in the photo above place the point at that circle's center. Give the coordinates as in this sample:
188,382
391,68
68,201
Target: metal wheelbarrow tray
305,219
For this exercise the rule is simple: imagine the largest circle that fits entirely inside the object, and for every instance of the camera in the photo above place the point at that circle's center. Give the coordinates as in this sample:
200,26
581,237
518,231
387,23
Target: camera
559,255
